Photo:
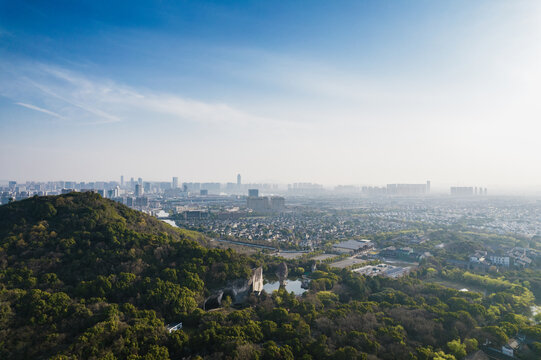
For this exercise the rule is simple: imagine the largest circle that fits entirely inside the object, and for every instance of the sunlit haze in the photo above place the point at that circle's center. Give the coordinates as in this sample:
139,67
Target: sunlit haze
330,92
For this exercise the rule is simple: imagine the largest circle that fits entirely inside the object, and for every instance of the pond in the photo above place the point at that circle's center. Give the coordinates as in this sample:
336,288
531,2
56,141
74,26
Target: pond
291,286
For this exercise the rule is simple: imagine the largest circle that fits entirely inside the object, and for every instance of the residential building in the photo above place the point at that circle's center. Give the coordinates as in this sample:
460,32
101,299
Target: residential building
499,260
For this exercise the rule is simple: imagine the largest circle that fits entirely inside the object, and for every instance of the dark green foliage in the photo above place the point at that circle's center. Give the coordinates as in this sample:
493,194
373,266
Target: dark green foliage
69,263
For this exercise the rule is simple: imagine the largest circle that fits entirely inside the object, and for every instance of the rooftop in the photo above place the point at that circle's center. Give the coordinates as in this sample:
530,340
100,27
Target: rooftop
352,244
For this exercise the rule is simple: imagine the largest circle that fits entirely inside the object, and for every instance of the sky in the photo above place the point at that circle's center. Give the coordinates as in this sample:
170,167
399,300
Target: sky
331,92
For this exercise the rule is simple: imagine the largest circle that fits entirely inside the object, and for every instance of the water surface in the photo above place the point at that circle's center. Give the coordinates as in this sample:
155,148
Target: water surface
291,286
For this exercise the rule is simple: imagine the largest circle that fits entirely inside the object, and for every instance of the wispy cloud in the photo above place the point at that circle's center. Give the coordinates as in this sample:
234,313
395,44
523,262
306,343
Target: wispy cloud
74,99
71,95
37,108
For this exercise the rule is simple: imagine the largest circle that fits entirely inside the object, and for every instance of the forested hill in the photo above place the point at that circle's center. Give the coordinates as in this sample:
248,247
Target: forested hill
65,259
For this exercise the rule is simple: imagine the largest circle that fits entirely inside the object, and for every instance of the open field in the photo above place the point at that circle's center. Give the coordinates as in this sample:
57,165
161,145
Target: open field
290,254
347,263
238,248
324,257
458,286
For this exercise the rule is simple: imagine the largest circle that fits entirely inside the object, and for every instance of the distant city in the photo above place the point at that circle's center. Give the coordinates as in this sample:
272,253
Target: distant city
302,216
148,195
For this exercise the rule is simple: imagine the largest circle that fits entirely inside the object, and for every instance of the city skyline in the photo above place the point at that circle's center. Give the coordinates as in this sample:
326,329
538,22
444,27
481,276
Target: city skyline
351,93
217,187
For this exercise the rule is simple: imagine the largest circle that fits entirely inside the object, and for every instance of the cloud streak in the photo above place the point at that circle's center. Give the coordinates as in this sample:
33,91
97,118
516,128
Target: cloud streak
70,95
37,108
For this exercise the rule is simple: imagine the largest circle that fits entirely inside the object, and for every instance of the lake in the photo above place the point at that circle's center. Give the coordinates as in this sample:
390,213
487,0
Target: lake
291,286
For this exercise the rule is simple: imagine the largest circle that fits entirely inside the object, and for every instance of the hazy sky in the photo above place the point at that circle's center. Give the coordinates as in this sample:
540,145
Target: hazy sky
360,92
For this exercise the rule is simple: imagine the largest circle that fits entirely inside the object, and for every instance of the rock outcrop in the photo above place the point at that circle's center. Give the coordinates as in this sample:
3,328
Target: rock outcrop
282,273
238,290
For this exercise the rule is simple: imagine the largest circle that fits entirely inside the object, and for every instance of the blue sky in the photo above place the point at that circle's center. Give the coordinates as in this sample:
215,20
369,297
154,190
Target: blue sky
357,92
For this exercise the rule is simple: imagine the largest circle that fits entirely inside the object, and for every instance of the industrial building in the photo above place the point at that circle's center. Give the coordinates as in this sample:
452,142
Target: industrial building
353,246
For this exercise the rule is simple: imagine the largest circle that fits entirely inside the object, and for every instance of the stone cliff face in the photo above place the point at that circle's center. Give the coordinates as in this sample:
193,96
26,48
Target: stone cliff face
237,290
282,273
257,280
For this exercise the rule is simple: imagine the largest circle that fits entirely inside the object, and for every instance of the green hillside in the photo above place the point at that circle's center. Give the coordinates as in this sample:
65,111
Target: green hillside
65,260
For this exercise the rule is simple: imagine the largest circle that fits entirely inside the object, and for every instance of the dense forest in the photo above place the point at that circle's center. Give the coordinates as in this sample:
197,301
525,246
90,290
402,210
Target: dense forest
82,277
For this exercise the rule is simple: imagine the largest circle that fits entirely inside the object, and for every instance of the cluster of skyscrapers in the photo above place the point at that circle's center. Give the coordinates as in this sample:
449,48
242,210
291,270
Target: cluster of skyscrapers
398,189
408,189
135,192
468,191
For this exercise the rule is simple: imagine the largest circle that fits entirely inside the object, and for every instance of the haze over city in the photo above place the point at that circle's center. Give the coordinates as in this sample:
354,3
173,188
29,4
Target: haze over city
353,92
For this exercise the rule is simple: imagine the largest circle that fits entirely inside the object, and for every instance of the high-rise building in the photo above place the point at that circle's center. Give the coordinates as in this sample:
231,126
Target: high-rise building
238,180
213,188
113,193
140,181
258,204
408,189
141,201
277,203
175,182
121,180
138,190
265,204
462,191
253,192
146,187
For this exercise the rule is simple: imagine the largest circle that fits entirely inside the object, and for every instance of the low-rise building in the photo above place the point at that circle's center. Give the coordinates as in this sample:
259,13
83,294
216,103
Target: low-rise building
174,327
353,246
499,260
405,253
478,257
513,346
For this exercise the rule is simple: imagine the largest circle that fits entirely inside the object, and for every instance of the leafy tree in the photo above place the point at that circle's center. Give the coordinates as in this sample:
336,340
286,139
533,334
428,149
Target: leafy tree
457,348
